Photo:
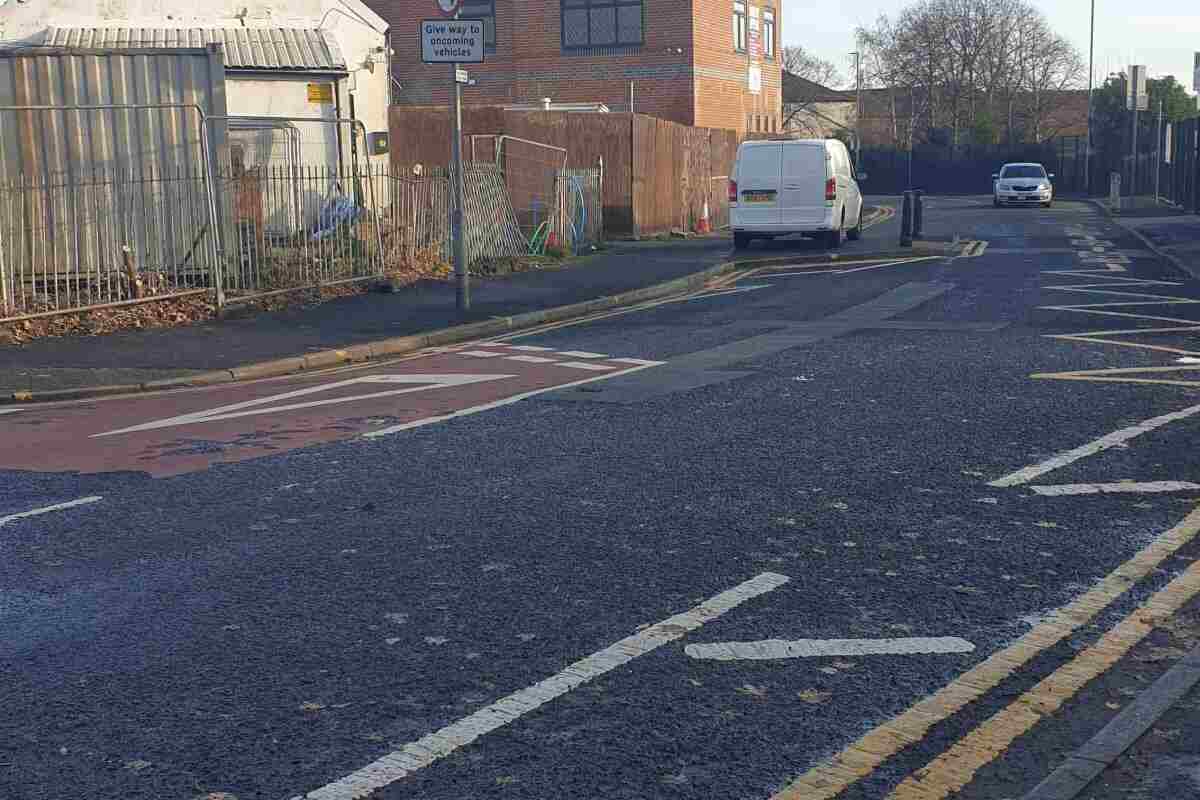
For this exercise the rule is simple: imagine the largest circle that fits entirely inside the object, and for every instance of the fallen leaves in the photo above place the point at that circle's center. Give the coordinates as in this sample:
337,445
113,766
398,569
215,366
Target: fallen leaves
814,697
143,316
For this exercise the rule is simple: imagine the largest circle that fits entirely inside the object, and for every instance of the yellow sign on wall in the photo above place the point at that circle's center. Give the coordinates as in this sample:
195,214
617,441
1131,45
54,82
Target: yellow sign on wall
320,93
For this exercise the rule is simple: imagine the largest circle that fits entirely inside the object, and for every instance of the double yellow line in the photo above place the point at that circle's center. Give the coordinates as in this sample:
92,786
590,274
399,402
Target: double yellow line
957,766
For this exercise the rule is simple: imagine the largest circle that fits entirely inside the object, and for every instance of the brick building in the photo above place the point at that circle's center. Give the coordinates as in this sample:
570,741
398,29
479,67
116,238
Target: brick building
709,63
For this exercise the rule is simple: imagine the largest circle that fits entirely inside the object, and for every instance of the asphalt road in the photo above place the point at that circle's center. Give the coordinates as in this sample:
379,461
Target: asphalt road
820,441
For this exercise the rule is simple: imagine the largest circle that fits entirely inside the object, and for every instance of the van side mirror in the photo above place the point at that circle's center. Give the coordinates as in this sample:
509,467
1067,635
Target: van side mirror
1051,176
862,176
995,176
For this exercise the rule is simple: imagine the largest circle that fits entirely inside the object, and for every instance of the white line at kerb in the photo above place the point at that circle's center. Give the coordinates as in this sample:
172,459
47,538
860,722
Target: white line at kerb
770,649
83,501
1130,487
1091,448
433,746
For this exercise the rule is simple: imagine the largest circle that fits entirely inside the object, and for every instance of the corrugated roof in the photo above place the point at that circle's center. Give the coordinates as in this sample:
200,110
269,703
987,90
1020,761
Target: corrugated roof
245,48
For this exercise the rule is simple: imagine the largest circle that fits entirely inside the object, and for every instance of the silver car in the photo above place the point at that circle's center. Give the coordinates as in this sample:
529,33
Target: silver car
1017,184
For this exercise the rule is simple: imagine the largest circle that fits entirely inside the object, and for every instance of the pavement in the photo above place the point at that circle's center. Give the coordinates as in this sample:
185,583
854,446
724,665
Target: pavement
910,528
136,357
1172,234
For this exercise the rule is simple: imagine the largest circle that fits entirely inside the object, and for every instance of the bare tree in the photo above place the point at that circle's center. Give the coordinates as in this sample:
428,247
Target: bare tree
965,65
804,64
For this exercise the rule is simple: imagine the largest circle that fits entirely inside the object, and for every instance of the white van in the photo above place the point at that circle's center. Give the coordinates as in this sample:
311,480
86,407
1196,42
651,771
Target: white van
780,187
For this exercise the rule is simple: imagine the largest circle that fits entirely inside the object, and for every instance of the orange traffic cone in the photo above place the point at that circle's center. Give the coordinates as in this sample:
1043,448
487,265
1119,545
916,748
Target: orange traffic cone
704,226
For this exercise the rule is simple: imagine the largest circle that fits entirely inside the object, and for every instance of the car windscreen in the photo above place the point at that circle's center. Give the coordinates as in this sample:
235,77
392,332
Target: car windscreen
1033,171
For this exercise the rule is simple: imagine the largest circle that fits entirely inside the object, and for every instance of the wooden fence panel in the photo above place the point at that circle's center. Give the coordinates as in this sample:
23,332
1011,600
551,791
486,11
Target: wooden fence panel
657,174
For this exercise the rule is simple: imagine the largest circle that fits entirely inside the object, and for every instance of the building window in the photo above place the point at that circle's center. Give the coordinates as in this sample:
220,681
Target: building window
601,23
768,33
740,25
486,11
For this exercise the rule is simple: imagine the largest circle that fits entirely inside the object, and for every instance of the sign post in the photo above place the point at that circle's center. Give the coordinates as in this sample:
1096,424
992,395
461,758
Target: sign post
454,42
1138,100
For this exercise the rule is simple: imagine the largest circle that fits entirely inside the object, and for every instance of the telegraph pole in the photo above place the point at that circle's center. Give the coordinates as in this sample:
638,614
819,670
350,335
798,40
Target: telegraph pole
1091,83
857,109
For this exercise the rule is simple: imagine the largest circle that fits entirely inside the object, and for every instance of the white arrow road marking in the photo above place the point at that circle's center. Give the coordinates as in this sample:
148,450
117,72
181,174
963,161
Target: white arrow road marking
255,407
433,746
83,501
770,649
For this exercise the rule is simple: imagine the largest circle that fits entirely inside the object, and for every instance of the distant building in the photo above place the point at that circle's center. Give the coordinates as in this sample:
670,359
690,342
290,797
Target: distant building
711,63
810,109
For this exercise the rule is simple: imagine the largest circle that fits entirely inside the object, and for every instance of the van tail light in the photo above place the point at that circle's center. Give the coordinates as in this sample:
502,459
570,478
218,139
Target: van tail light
733,191
831,189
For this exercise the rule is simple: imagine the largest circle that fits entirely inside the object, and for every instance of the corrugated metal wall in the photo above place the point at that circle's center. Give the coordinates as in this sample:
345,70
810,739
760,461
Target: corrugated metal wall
65,142
91,197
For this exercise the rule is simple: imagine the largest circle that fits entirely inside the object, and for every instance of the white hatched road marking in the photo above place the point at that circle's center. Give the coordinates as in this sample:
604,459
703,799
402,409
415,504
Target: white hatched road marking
480,353
585,365
771,649
83,501
428,749
1091,448
1127,487
530,359
530,348
638,361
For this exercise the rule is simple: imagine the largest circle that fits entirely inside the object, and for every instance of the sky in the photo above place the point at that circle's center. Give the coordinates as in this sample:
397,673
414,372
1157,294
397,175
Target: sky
1162,34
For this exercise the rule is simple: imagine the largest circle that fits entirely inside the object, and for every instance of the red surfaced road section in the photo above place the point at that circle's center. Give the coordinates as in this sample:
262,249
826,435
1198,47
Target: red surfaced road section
177,432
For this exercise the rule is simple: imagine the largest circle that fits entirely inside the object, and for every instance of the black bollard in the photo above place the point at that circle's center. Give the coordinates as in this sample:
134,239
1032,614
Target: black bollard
906,220
918,213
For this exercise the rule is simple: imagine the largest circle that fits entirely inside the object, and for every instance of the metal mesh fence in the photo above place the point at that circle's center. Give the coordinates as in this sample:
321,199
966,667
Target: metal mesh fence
117,235
111,235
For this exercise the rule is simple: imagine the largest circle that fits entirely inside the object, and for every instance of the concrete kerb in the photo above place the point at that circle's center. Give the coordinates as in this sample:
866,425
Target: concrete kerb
1150,245
405,345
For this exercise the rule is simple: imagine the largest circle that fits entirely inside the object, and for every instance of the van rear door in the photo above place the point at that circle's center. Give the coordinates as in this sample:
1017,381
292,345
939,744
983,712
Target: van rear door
758,185
805,171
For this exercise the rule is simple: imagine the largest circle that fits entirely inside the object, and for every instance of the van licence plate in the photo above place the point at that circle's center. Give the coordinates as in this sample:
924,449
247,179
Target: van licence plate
758,197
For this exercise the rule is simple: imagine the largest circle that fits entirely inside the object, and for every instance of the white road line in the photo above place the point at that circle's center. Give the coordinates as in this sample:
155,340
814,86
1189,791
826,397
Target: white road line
1130,487
4,411
1091,448
480,353
639,361
581,354
530,359
530,348
506,401
425,751
585,365
769,649
83,501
